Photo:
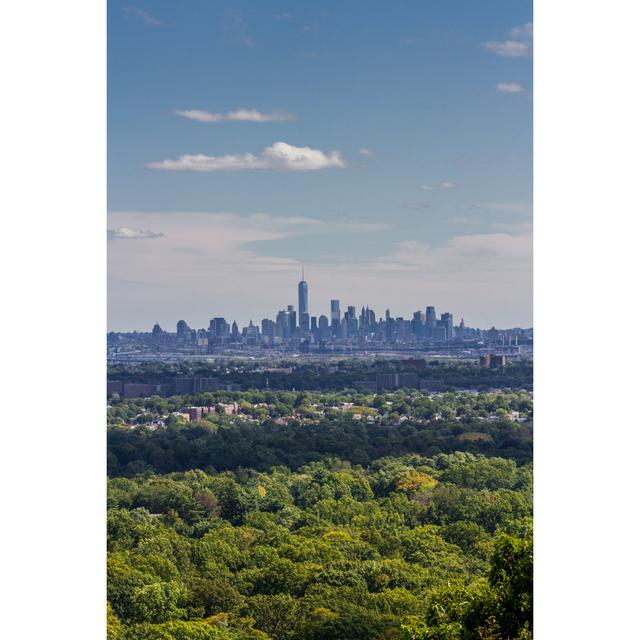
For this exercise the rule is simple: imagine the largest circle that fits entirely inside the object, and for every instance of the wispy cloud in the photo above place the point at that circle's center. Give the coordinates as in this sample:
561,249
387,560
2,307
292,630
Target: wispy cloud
280,156
522,32
509,87
509,48
518,45
239,115
463,273
237,26
145,17
366,152
124,233
445,184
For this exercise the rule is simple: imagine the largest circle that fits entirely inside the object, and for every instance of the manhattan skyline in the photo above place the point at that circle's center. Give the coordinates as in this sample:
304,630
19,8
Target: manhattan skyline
388,150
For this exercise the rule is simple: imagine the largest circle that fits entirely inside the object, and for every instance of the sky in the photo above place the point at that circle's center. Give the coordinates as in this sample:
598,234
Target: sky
385,145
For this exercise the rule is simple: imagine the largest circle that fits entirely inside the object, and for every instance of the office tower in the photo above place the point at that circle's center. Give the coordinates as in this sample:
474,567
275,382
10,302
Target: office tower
218,328
335,310
344,327
303,299
182,328
304,323
389,327
335,318
352,324
314,324
235,334
285,323
268,328
157,330
282,323
351,313
447,323
418,323
323,327
293,323
371,315
431,320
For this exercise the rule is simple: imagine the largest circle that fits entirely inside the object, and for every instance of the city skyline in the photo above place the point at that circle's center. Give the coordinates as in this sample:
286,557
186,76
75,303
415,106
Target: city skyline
300,318
390,151
332,309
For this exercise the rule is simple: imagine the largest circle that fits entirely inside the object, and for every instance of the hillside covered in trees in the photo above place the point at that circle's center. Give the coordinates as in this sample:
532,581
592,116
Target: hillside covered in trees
312,515
410,547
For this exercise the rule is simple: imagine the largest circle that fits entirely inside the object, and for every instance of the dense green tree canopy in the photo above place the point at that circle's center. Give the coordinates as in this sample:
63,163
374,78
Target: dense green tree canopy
407,547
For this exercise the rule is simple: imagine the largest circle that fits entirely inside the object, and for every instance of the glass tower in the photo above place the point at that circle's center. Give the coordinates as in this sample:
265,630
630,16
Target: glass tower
303,299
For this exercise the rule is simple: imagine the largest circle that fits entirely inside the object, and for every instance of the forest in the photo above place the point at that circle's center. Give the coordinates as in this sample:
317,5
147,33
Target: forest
409,547
318,515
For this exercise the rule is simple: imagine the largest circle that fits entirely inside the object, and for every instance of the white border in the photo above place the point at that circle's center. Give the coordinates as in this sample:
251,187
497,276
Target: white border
53,152
586,358
53,322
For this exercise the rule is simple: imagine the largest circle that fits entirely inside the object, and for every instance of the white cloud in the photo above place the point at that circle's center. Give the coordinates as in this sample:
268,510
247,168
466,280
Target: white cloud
366,152
523,32
239,115
445,184
147,18
124,233
280,156
509,87
509,48
517,46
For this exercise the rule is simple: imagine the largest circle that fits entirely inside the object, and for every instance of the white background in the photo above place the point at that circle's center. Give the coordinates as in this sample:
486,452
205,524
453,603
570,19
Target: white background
52,151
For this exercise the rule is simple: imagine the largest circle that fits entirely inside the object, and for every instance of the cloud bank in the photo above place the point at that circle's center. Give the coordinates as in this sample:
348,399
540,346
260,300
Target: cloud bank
124,233
239,115
225,264
280,156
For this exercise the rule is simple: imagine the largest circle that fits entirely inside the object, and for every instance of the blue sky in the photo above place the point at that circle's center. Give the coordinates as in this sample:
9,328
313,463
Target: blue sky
385,145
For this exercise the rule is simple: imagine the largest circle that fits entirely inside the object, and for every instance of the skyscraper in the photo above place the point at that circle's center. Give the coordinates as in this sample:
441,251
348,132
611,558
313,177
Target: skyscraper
218,328
182,328
323,327
431,320
446,320
291,310
303,305
303,301
335,318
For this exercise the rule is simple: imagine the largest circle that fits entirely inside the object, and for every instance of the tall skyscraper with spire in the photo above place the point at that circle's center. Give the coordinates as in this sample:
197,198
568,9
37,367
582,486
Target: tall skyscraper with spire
303,304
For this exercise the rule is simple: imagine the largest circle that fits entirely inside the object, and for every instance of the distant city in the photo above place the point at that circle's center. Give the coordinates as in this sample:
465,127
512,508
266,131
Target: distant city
296,331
